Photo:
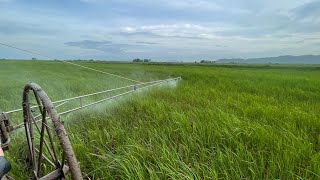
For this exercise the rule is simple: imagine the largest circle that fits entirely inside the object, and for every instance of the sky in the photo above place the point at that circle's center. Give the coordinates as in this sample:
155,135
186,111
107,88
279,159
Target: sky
162,30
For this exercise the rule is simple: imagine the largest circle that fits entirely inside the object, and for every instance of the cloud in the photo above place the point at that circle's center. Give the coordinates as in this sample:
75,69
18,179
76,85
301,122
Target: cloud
311,9
92,1
176,4
193,4
89,44
188,31
105,46
10,28
5,1
144,42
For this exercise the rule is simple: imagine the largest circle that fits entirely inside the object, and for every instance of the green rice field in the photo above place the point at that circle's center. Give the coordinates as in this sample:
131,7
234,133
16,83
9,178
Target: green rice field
221,121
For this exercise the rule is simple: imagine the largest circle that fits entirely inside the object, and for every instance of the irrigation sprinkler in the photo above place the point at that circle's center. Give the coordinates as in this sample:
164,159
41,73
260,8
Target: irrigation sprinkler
50,153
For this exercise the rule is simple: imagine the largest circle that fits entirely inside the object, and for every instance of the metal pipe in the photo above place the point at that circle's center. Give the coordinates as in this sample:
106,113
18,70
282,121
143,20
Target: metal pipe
109,98
110,90
97,102
101,92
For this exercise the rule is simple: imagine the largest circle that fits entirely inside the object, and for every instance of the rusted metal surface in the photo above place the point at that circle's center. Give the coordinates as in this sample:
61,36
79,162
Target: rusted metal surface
46,108
56,174
5,128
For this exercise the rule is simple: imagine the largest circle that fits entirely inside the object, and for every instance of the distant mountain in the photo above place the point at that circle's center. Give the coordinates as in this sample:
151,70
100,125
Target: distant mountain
233,60
306,59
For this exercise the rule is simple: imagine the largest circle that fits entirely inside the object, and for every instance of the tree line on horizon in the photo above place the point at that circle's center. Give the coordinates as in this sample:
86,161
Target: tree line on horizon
141,60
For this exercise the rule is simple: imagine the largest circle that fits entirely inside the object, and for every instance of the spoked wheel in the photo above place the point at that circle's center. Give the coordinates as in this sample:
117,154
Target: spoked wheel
50,152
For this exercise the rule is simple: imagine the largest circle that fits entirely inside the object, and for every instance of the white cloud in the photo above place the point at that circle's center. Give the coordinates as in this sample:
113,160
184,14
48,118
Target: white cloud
175,30
193,4
92,1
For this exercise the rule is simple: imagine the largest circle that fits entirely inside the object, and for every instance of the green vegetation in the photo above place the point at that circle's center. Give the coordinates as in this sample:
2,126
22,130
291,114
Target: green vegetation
141,60
221,121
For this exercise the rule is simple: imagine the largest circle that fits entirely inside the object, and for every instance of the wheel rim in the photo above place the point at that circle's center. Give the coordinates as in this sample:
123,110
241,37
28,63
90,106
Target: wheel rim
43,137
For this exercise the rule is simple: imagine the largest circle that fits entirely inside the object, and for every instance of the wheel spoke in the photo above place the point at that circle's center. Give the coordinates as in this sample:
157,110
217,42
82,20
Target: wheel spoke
46,158
45,142
38,154
44,115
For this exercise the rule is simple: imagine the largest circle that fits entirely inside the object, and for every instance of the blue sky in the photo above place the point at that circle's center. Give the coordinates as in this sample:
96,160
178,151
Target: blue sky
162,30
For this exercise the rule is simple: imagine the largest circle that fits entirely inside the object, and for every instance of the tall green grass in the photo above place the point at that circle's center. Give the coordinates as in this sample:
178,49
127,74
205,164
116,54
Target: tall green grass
230,122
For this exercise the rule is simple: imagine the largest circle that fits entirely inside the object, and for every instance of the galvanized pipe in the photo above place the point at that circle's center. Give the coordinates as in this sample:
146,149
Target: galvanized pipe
101,92
100,101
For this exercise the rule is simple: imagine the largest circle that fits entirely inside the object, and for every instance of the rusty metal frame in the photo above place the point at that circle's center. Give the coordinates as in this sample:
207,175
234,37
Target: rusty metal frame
36,156
5,128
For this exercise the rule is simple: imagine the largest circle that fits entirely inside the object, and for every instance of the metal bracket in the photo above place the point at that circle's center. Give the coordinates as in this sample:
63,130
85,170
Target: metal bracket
5,128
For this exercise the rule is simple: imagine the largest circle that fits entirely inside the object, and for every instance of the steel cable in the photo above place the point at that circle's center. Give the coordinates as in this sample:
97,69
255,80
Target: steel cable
85,67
